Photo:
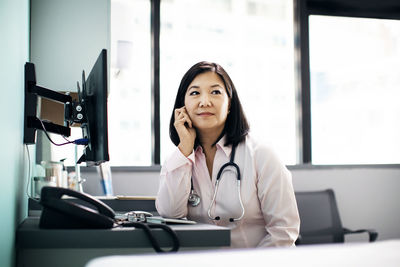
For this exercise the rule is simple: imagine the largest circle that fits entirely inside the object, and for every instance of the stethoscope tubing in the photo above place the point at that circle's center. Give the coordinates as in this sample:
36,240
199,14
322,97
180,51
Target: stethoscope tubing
238,180
194,199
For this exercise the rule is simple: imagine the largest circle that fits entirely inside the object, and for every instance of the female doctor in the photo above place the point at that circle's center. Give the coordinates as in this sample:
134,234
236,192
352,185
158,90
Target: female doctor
219,174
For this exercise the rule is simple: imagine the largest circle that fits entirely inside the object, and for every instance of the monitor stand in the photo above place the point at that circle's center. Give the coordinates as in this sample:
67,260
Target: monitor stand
78,179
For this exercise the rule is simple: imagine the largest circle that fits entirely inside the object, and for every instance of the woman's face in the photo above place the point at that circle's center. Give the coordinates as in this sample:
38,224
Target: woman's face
207,102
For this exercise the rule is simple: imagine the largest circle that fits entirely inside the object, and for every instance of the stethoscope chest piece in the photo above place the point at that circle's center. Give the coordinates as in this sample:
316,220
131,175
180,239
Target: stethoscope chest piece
194,199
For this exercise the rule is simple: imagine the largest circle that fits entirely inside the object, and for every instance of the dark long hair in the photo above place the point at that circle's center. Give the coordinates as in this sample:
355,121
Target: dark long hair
236,125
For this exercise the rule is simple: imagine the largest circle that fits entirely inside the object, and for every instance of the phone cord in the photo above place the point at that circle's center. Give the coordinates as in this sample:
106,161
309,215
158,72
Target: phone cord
147,229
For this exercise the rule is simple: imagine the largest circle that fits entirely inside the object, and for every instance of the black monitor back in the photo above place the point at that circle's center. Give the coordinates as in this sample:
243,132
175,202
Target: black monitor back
94,95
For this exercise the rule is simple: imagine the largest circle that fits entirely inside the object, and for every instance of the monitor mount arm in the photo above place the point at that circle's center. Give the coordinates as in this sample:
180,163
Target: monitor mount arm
73,110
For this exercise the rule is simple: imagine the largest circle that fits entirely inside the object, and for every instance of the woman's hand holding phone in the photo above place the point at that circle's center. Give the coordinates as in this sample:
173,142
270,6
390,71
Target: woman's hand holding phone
186,131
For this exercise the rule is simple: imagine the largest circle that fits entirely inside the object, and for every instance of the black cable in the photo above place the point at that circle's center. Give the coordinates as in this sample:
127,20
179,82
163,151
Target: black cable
82,141
147,229
48,137
65,138
166,228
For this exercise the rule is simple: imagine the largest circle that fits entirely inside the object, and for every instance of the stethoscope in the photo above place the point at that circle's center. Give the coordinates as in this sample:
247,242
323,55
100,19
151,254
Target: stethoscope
194,199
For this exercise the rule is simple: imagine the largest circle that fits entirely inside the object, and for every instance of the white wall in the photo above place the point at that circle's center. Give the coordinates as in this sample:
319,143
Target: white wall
367,197
66,38
14,46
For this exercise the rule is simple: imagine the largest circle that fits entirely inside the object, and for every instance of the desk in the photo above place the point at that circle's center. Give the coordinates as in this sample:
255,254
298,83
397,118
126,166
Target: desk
62,247
382,253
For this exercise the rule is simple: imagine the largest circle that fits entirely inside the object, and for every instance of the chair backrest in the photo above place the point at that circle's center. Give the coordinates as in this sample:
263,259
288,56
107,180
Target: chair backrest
319,218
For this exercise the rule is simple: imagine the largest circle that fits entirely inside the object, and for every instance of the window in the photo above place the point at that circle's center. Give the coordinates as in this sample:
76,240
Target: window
129,102
355,111
347,73
253,42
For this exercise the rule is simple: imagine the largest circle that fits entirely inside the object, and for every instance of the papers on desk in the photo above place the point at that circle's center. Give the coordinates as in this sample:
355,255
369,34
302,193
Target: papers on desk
159,219
120,197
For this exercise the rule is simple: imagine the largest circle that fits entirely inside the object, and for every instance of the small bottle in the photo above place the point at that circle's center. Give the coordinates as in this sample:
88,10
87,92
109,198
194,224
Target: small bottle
64,176
72,180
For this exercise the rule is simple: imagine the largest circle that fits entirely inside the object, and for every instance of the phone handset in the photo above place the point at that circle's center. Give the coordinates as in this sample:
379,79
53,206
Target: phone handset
60,213
58,192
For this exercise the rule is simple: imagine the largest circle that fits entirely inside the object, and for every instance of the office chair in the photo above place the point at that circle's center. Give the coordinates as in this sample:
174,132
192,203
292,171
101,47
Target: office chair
320,220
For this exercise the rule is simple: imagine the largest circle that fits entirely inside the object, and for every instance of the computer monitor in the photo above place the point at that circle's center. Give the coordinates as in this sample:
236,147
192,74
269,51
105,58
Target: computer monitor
90,111
94,99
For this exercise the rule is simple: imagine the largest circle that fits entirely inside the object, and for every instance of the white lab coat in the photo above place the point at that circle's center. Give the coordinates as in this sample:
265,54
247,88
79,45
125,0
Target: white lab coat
271,216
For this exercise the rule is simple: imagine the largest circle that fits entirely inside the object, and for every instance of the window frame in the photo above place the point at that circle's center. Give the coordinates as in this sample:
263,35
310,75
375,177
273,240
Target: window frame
155,18
378,9
381,9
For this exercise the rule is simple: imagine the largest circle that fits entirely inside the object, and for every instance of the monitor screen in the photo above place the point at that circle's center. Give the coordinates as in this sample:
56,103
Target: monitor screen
94,97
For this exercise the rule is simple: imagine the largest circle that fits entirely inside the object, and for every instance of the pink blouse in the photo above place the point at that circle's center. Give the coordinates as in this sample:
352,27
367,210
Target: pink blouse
271,217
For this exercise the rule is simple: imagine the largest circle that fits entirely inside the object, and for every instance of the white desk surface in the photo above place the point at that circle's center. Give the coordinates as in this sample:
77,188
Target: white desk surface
381,253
